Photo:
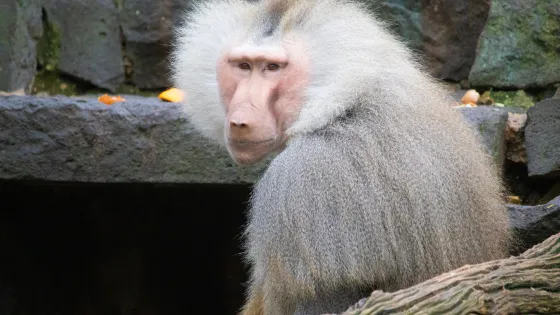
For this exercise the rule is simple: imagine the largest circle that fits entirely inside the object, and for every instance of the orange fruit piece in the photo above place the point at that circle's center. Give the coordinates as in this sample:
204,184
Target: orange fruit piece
109,100
470,97
173,95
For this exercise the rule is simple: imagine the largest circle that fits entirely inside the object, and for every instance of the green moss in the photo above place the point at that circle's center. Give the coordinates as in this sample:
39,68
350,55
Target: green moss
48,48
512,98
118,4
54,83
50,82
549,28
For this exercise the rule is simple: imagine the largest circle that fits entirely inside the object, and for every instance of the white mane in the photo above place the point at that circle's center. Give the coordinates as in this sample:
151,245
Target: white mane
342,70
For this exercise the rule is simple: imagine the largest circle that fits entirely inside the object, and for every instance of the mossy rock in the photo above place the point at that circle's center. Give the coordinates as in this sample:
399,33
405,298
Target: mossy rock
520,46
48,48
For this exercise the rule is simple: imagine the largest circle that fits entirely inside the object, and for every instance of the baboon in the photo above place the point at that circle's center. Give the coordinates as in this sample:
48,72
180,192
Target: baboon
376,181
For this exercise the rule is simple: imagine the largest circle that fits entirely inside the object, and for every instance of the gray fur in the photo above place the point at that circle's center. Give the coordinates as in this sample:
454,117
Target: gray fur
382,184
373,200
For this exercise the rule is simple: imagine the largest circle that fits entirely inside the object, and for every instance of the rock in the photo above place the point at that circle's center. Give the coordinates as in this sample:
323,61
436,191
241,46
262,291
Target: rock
20,26
445,32
489,122
542,138
83,140
451,29
34,14
141,140
403,17
147,28
520,45
89,40
515,138
533,224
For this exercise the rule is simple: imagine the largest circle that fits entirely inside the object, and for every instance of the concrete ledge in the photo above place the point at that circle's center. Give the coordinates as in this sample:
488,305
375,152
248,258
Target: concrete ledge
78,139
81,140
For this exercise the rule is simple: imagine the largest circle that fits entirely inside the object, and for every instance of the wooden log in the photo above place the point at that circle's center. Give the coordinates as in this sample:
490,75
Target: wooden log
524,284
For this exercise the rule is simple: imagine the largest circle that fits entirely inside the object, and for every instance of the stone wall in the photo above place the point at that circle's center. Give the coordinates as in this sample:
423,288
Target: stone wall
109,44
105,43
147,140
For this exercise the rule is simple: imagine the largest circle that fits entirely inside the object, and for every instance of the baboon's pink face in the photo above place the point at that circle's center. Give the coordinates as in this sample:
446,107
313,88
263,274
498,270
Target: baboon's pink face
262,90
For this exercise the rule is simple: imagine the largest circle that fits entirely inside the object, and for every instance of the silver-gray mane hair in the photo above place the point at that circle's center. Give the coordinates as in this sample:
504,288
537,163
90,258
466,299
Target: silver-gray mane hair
344,67
382,183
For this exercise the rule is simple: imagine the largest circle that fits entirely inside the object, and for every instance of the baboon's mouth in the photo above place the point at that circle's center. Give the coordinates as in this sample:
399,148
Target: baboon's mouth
249,143
246,152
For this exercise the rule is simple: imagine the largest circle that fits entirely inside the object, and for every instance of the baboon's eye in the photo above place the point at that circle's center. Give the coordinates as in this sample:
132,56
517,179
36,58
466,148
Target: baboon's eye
245,66
272,67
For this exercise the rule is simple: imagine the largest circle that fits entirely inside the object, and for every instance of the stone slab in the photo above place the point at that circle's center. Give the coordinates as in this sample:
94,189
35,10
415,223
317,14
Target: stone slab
20,25
90,40
490,123
81,140
542,138
534,224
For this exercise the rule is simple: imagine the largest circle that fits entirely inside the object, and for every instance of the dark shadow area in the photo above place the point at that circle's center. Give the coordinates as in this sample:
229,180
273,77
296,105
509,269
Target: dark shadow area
533,191
104,249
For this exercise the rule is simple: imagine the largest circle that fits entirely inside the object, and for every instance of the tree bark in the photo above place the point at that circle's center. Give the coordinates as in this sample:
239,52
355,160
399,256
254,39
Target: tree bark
524,284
